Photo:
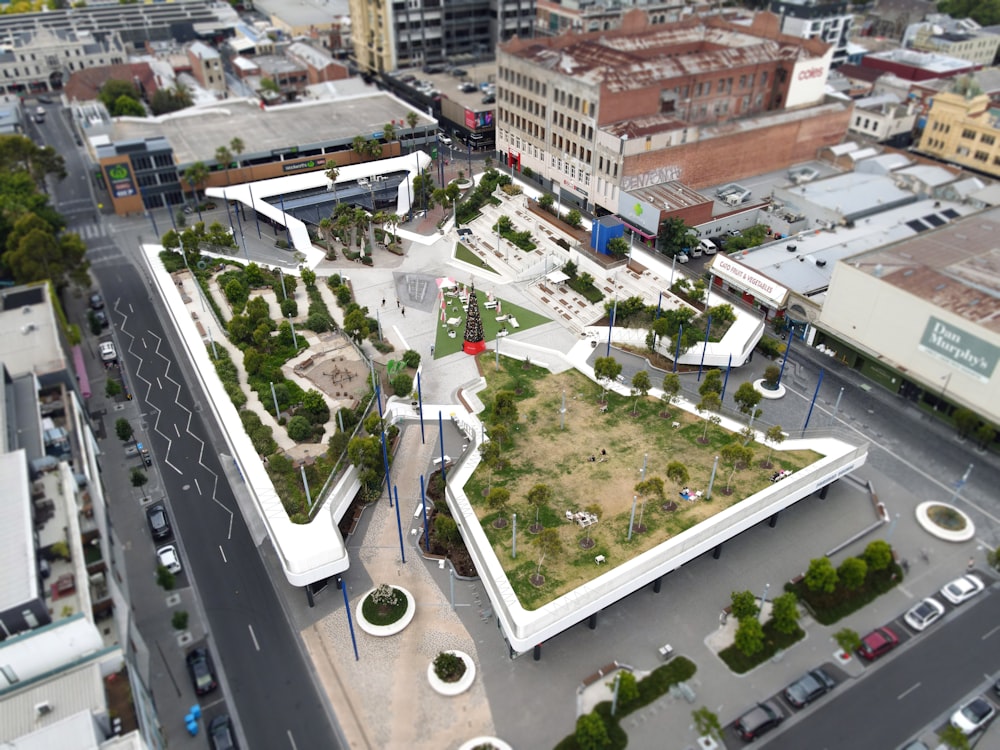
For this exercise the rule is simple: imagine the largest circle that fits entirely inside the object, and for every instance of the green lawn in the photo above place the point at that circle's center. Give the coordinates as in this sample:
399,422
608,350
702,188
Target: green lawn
464,254
444,345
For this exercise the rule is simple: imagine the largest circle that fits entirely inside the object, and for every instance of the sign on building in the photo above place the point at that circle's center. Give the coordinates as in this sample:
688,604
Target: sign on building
742,277
960,348
120,181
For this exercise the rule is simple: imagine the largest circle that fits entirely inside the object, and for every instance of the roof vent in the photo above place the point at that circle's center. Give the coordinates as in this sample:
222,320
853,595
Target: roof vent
42,709
821,263
26,329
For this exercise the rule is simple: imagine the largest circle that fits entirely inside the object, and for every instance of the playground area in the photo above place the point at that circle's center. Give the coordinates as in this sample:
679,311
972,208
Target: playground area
592,459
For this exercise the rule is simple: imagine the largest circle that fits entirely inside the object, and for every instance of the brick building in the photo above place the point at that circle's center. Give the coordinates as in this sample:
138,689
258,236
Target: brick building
701,101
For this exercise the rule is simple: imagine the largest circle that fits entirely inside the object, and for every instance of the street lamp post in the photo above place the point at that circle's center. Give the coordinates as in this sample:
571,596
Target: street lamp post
763,600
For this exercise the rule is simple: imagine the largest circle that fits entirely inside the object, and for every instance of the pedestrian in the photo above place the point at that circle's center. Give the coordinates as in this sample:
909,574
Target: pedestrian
971,564
432,350
397,304
403,310
383,302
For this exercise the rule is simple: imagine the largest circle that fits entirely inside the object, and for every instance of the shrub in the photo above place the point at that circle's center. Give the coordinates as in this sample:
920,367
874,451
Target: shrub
402,384
449,667
179,620
847,639
749,636
744,605
821,575
299,429
112,388
123,429
289,308
446,530
785,613
878,555
573,219
852,573
591,734
411,359
164,578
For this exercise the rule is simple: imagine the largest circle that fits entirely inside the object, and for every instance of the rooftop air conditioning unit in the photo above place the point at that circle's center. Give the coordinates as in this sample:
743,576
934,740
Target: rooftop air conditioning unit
43,709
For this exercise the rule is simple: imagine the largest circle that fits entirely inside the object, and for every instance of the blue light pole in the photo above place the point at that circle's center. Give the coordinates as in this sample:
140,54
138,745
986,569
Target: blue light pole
813,402
704,348
350,622
788,348
423,503
399,525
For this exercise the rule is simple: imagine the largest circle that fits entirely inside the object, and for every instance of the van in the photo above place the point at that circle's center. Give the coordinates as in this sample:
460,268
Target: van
707,246
694,252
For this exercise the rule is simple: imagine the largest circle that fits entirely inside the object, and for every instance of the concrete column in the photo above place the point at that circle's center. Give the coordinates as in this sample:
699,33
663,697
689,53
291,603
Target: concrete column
592,621
717,552
822,492
773,520
536,654
656,585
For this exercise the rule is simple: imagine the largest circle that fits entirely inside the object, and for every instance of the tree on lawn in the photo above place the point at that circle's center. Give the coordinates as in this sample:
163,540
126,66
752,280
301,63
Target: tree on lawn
743,605
712,383
490,452
500,434
733,455
538,496
785,613
677,473
710,402
652,487
747,397
774,437
640,387
498,500
606,369
123,429
852,573
749,637
671,387
549,544
595,510
505,407
821,575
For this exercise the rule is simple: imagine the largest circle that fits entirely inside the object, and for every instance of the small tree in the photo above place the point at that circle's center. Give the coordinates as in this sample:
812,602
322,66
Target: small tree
123,429
985,434
573,218
965,421
749,638
446,530
112,388
606,369
640,387
771,375
449,667
785,613
847,639
164,578
733,455
954,738
505,407
852,572
712,383
747,397
402,384
743,604
179,619
548,543
707,723
411,359
539,496
821,575
498,500
774,437
591,734
651,487
671,387
878,555
709,403
595,510
138,477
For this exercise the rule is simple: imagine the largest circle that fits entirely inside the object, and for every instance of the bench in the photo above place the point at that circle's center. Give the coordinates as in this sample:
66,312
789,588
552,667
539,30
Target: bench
600,674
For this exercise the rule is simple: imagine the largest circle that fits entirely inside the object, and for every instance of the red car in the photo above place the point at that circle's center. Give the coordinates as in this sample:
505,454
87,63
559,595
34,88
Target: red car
878,642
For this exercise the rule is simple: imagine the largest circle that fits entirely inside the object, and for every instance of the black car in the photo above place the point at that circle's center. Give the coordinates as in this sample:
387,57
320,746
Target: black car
458,72
220,732
759,720
96,301
101,317
809,687
200,666
489,99
159,521
464,231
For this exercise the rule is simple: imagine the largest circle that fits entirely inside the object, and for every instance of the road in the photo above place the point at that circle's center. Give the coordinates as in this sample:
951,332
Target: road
907,689
269,683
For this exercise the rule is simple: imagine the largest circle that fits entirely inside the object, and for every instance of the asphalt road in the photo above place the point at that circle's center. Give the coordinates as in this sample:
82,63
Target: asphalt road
270,687
926,678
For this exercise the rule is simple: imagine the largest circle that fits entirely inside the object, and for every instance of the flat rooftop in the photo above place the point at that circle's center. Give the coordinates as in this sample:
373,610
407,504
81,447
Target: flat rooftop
853,195
29,339
19,582
954,267
929,61
195,134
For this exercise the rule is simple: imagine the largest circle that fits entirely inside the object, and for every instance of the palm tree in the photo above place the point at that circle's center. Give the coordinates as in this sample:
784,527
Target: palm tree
195,176
237,147
325,225
392,221
359,145
332,173
373,148
389,132
412,118
224,158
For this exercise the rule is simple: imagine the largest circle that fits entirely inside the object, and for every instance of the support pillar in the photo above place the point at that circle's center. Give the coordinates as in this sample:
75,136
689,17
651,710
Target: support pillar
772,522
717,552
656,585
536,653
309,596
822,492
592,621
340,583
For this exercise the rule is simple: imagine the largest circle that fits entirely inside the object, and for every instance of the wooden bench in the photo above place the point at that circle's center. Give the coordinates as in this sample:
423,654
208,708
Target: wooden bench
600,674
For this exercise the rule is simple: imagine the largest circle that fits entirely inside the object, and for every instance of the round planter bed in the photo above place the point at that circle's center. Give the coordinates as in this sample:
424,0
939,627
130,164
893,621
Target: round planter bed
766,392
392,628
458,687
494,742
962,527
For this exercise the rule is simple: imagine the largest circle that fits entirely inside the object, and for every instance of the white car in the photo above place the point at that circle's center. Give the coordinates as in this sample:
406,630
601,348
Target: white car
973,716
169,558
924,614
682,257
962,589
443,139
107,350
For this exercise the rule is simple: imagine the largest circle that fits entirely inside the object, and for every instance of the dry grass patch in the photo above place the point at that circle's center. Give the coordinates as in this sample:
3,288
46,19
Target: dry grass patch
538,451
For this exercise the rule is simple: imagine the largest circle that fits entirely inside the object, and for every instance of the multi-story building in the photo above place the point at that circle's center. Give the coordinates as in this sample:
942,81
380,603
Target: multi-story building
830,22
388,36
318,64
586,15
912,65
206,66
964,131
36,61
885,118
961,38
702,101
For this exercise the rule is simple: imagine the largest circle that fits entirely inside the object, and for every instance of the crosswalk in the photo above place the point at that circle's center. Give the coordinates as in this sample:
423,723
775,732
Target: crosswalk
90,231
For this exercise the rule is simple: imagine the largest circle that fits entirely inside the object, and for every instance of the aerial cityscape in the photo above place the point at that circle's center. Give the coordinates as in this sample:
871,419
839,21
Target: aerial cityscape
499,374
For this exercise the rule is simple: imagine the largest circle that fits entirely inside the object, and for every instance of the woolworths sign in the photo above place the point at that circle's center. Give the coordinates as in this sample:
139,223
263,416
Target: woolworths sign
960,348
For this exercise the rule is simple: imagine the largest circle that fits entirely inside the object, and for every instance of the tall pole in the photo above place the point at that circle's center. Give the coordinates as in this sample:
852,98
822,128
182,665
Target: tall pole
659,304
711,481
423,504
385,465
277,411
631,518
813,402
611,323
350,622
288,234
673,267
836,406
763,601
677,349
645,457
725,381
562,412
513,535
788,348
305,484
399,526
420,407
961,483
704,348
444,477
256,216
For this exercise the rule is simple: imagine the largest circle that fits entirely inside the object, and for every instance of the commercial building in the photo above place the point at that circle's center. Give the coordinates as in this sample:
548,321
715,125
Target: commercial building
961,38
388,36
206,66
143,159
830,22
921,316
963,131
703,101
580,15
918,66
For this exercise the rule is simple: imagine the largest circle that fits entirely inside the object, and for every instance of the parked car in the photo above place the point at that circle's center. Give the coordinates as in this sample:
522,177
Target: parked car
877,643
101,317
809,687
220,732
96,301
707,246
490,99
169,559
682,257
759,720
962,589
444,139
200,667
464,232
159,521
458,72
42,99
107,351
973,716
924,614
467,88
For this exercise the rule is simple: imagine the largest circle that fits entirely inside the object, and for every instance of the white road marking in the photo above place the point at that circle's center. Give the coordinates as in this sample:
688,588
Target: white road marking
254,637
177,431
198,486
907,692
223,553
291,740
989,633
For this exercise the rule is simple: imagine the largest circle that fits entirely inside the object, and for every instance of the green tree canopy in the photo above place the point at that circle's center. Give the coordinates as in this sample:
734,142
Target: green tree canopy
113,90
852,572
674,236
878,555
821,575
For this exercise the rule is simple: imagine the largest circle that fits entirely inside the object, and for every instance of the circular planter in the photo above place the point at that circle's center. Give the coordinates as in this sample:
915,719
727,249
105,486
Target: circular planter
464,184
453,688
494,742
384,630
778,392
963,534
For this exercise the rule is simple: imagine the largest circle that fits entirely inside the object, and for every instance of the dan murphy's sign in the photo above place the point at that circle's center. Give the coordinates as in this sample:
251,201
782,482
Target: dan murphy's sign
960,348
